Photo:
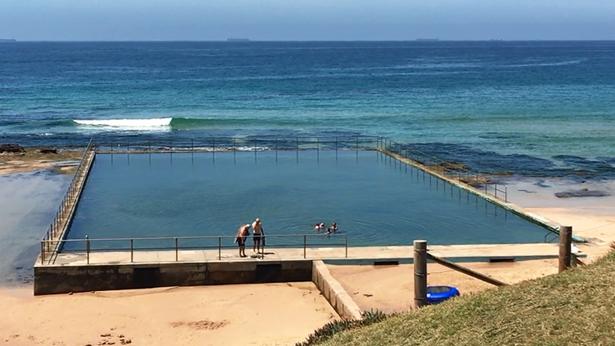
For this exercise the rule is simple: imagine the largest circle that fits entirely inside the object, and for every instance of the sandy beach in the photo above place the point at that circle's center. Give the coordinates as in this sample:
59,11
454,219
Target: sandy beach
212,315
390,288
592,218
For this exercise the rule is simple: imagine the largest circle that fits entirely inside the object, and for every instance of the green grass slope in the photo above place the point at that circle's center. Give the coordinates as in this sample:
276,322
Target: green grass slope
575,307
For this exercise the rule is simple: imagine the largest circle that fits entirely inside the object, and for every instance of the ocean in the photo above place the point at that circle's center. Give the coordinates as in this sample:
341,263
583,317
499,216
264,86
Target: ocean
526,105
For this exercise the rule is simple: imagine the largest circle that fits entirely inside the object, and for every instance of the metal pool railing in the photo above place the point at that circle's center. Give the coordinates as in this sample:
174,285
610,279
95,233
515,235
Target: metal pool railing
452,170
89,246
61,218
235,144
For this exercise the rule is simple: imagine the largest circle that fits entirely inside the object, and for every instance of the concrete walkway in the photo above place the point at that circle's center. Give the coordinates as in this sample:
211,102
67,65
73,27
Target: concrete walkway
461,252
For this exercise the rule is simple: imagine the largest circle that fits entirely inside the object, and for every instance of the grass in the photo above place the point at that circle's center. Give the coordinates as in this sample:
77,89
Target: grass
575,307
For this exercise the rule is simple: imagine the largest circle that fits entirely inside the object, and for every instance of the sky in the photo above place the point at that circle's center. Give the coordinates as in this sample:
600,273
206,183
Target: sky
119,20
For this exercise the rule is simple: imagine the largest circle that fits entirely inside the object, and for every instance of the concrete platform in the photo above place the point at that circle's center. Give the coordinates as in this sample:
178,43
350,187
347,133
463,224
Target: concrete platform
474,253
71,272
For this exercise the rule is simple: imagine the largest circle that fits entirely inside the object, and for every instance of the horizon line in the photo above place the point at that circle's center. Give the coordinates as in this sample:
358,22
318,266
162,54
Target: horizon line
421,40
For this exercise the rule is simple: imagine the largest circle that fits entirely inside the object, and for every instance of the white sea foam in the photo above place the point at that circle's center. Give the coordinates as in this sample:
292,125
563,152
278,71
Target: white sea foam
541,64
128,124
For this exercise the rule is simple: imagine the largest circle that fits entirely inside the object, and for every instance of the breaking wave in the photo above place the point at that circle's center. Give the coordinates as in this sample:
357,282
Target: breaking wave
127,124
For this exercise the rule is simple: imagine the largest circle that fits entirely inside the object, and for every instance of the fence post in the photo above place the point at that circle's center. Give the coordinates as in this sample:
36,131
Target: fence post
304,246
276,149
254,147
87,249
263,245
346,241
42,251
219,248
176,249
565,242
420,273
132,253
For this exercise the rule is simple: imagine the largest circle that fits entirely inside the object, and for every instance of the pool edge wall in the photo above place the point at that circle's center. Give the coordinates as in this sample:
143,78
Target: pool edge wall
86,278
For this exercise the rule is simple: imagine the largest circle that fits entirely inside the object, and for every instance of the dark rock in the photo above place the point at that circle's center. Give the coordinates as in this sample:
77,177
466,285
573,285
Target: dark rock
48,151
11,148
581,193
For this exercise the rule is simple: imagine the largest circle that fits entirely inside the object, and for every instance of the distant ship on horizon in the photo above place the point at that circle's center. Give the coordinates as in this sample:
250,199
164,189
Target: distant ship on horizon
428,39
234,39
5,40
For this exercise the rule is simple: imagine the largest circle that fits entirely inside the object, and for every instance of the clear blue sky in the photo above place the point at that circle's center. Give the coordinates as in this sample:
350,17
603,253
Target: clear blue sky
306,19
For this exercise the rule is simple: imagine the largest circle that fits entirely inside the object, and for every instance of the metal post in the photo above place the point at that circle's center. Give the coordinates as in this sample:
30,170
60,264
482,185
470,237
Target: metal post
132,246
420,273
87,248
176,249
263,245
304,246
565,243
42,251
346,240
219,248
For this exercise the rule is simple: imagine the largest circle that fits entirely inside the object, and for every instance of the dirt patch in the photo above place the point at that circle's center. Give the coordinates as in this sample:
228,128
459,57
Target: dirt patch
201,325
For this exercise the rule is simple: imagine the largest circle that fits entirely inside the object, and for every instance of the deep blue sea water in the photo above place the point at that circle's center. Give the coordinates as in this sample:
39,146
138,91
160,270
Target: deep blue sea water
552,102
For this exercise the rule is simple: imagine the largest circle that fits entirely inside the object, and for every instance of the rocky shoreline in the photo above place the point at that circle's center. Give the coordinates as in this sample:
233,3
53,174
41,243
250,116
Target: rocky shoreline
17,159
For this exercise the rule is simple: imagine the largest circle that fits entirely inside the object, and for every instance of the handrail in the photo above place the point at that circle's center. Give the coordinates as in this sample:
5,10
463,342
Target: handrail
59,220
206,237
244,143
302,241
456,173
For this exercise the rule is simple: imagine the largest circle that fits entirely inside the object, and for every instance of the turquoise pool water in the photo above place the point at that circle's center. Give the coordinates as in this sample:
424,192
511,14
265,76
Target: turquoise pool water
374,199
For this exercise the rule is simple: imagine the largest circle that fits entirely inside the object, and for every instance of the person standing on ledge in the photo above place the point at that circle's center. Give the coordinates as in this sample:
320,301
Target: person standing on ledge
242,234
257,226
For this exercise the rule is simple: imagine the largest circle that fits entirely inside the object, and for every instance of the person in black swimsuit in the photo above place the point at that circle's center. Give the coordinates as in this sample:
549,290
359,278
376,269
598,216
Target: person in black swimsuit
257,226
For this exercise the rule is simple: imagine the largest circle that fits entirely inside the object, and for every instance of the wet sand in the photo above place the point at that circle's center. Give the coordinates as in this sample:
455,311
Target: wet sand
260,314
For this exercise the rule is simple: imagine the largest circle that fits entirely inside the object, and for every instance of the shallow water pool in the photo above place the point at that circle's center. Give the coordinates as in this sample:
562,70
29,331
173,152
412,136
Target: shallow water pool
374,199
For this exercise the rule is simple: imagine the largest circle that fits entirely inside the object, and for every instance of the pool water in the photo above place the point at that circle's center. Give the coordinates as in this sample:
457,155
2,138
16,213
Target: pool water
374,199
